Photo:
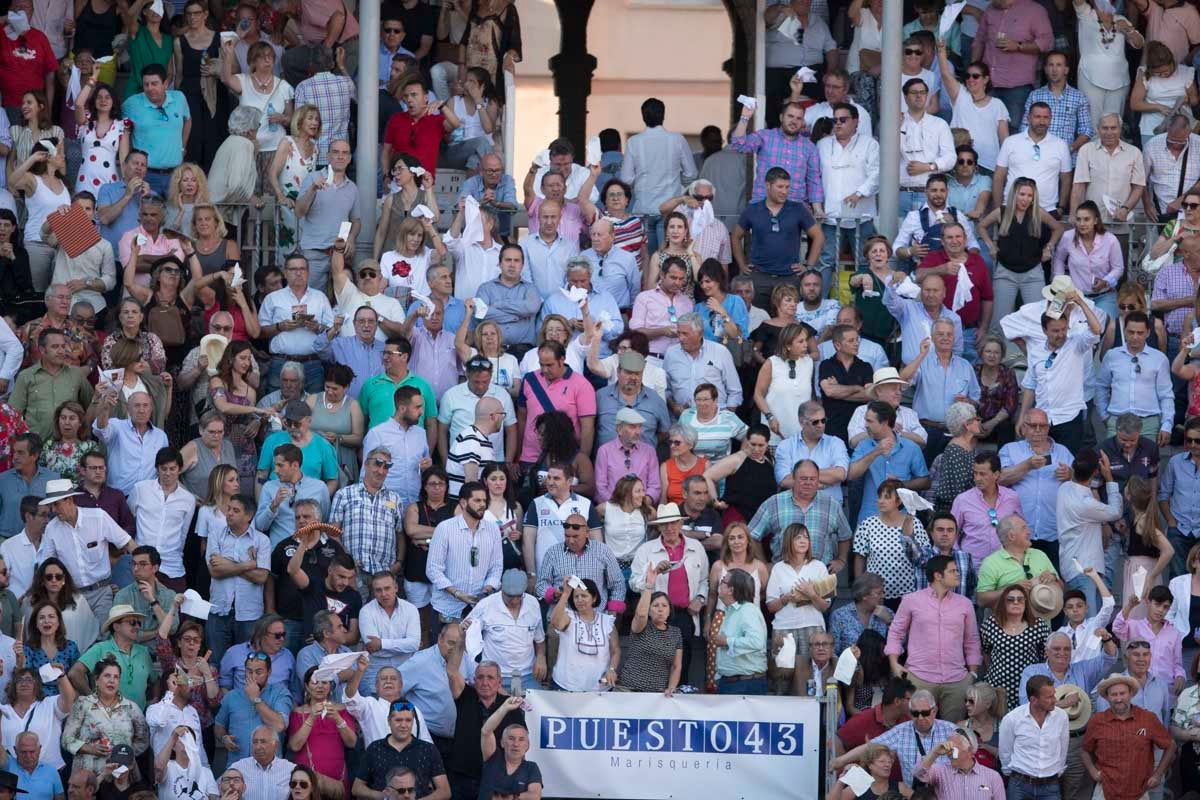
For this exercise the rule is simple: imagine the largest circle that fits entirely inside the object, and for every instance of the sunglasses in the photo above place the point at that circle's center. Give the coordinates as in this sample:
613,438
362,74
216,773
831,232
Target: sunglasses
393,30
677,442
993,518
1137,368
299,784
966,162
401,705
574,526
260,656
1037,152
1138,644
974,75
1191,206
379,462
926,713
1050,361
1016,599
820,421
841,120
913,51
1130,307
406,790
1192,440
55,576
368,273
474,556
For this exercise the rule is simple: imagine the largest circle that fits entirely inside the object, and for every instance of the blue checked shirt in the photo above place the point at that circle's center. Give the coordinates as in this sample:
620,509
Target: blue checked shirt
451,565
596,562
1179,484
1070,114
1143,388
370,524
845,627
966,572
824,519
903,740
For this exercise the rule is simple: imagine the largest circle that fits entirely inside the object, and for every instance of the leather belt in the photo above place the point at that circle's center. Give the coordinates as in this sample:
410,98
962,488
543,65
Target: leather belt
1032,781
751,677
913,189
96,585
298,359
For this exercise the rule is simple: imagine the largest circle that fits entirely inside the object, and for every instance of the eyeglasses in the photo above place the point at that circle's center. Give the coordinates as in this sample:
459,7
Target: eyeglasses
291,423
134,621
368,273
970,700
841,120
379,462
574,526
393,30
820,421
928,712
974,75
1130,307
913,51
401,705
406,790
277,635
54,576
966,162
299,784
1192,440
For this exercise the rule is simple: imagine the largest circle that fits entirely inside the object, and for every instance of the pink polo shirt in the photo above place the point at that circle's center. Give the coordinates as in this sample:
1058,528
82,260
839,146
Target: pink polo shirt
1023,21
572,394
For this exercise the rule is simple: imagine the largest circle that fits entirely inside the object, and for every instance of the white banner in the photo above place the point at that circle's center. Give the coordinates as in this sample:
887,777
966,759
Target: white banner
643,746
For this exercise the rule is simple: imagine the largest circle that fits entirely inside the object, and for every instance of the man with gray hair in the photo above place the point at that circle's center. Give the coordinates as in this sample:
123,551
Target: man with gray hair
291,387
909,740
601,306
154,243
293,316
82,785
232,785
1163,156
132,442
37,781
266,773
615,269
195,371
329,637
959,774
695,360
1014,562
90,273
1109,167
710,239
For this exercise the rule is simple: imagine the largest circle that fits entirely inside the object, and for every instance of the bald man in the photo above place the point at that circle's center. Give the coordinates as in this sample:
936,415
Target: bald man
495,191
472,447
614,269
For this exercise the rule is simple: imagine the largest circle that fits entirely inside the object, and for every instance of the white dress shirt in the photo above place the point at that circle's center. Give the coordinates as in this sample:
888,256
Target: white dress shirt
162,521
237,593
657,164
164,717
83,548
1057,380
1033,750
847,170
1079,517
1051,158
372,716
130,454
278,306
911,232
907,421
265,783
473,264
1084,641
927,141
399,633
509,640
11,353
21,557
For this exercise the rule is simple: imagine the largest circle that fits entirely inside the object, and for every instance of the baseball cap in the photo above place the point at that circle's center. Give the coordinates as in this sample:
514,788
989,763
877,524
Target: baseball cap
513,583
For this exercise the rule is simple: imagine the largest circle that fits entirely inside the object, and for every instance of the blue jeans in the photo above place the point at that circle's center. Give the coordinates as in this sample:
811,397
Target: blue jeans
1014,100
969,353
314,374
743,686
1020,789
1084,584
527,682
653,224
224,632
910,201
834,236
293,632
1182,544
1106,301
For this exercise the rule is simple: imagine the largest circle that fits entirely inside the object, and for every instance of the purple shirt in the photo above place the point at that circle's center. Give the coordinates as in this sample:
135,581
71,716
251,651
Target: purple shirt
798,156
1105,261
614,462
113,502
1023,21
435,359
942,636
977,523
1166,647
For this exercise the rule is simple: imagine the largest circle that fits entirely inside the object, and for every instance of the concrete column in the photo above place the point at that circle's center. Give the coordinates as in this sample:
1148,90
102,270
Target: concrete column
366,155
573,67
889,116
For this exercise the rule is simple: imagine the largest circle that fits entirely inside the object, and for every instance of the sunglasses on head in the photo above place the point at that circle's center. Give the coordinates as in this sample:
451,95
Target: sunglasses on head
260,656
1138,644
401,705
574,526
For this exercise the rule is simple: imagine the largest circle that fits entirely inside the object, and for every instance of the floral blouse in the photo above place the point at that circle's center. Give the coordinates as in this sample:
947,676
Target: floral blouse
12,424
65,457
90,722
35,658
1003,396
152,351
199,700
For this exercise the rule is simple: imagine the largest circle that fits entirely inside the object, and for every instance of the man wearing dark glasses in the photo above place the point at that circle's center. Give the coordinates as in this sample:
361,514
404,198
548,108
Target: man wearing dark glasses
402,749
1017,561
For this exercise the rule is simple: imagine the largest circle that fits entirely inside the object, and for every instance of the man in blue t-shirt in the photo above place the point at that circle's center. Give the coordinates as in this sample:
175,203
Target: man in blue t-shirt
775,225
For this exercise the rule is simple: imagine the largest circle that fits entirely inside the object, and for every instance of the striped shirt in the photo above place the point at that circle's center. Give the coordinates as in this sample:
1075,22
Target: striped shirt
265,783
824,518
369,523
471,446
953,784
903,739
463,559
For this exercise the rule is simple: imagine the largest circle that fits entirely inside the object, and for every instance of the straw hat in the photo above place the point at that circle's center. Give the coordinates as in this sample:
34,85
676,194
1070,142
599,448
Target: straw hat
1078,716
58,489
119,612
1112,680
1046,600
213,345
667,513
884,377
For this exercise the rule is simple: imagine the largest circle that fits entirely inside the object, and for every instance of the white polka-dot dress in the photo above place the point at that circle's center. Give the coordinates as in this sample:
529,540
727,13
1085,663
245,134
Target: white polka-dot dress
101,163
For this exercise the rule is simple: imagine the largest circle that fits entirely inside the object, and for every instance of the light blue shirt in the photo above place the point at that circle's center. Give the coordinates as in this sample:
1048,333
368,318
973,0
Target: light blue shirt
598,303
916,324
869,351
130,454
712,364
450,563
233,670
239,594
905,462
407,447
308,657
365,360
1084,674
714,326
107,195
546,264
240,717
1179,484
616,272
385,61
158,130
1143,388
964,198
428,688
829,452
43,783
936,385
279,524
12,488
277,307
505,192
1038,490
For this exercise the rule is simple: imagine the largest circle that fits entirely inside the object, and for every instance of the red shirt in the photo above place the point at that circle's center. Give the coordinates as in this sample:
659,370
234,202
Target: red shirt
862,728
677,581
1123,750
982,290
420,138
24,64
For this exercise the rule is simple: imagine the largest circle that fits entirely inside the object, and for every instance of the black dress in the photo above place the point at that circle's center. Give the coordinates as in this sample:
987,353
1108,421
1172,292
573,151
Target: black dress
95,31
750,487
417,557
209,129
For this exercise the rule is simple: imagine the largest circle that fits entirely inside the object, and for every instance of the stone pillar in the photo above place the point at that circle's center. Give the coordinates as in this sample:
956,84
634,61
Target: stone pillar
573,67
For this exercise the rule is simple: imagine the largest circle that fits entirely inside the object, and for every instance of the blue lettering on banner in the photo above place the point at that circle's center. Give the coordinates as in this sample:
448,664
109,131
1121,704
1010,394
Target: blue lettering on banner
713,737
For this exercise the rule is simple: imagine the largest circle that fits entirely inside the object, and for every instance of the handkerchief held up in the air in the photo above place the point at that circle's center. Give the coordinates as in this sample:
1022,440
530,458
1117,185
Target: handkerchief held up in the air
949,16
592,152
423,300
542,159
913,502
576,294
194,605
328,177
786,657
472,221
344,231
846,664
157,7
788,27
339,661
74,84
907,288
238,277
806,74
50,672
417,171
702,217
606,321
481,308
748,102
422,210
1111,203
228,36
104,59
962,289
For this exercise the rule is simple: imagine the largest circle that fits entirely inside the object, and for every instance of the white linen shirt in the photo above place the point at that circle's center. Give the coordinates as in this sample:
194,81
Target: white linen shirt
269,783
1079,517
1033,750
238,593
847,170
351,299
83,548
508,640
162,521
927,141
164,717
277,307
372,716
399,633
1044,165
1058,388
130,454
21,557
473,265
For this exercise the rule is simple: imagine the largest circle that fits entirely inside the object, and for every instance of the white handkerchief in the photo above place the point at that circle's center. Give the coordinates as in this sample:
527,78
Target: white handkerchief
593,152
806,74
157,7
542,159
473,222
913,502
49,144
417,171
328,177
786,657
121,770
422,210
949,15
141,240
1111,203
702,217
870,293
926,329
1139,580
481,308
962,289
954,752
907,288
238,277
339,661
325,674
575,582
847,663
228,36
113,377
1078,567
1195,338
74,84
858,779
423,300
788,27
104,59
50,672
605,319
473,639
576,294
194,605
749,103
344,231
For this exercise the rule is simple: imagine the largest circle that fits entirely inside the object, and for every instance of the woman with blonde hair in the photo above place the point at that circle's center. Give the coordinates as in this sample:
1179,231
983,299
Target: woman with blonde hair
295,159
417,248
878,761
1147,546
188,188
765,338
1025,237
555,328
212,249
985,707
223,483
738,551
676,242
406,193
488,339
785,382
797,605
260,88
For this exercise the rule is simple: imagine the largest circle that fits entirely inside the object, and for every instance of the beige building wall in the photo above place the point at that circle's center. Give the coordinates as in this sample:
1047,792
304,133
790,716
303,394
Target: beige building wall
670,49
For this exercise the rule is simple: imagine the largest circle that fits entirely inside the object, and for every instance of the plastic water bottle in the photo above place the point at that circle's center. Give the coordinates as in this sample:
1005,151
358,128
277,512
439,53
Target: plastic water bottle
274,126
518,689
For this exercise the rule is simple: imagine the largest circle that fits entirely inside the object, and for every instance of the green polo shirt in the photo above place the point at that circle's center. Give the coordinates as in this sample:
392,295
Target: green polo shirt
377,398
136,670
132,596
37,393
1001,569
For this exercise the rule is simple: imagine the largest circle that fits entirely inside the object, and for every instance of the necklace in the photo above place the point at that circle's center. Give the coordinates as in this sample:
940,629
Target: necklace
262,86
1107,36
331,406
